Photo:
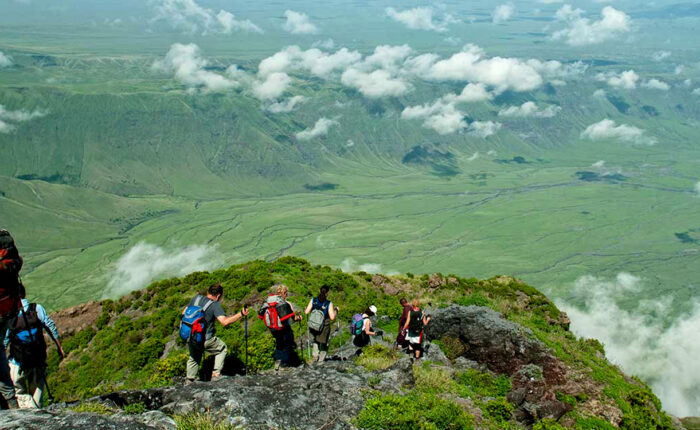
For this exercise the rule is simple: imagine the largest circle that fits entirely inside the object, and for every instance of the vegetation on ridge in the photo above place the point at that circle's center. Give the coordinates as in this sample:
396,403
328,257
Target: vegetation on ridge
134,345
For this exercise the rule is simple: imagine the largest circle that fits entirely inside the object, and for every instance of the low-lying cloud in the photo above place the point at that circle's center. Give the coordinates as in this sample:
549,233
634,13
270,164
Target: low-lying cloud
298,23
349,265
626,80
655,84
582,31
188,66
145,263
503,13
286,106
420,18
9,118
641,340
5,60
530,110
188,16
320,128
607,129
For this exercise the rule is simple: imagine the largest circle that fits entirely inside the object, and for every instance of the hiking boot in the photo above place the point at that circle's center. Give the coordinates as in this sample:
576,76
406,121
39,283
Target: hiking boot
218,377
12,403
189,381
278,364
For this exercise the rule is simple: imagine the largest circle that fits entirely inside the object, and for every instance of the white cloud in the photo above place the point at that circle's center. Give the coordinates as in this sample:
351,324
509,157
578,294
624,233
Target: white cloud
581,31
8,117
663,353
5,60
608,129
473,157
286,106
530,109
441,116
387,57
187,65
696,92
145,263
299,23
272,87
598,164
503,13
679,69
550,1
697,188
229,23
379,83
567,13
599,93
419,18
483,129
319,129
660,55
315,61
474,93
655,84
349,265
325,44
626,80
190,17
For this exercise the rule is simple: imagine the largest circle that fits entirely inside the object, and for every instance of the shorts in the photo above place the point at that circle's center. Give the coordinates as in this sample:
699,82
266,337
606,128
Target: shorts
414,340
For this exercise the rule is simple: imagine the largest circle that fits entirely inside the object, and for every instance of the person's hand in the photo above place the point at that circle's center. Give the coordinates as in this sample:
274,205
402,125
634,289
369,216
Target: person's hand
244,311
379,333
61,353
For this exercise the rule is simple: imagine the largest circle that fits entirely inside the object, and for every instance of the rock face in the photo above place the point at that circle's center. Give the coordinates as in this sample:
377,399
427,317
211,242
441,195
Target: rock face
482,335
326,396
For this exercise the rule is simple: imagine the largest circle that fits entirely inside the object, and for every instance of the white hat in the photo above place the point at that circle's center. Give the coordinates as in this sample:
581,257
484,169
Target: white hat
373,309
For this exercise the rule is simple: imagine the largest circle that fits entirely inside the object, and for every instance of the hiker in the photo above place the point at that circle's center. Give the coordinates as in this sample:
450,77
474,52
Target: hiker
210,307
322,313
278,314
362,329
25,337
401,337
10,265
414,325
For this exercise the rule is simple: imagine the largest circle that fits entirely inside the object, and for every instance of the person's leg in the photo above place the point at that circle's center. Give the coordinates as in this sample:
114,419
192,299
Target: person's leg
22,389
218,348
7,388
193,362
278,355
38,382
314,351
323,350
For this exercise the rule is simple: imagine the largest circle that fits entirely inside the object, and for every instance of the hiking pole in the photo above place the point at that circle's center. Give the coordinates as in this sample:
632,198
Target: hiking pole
245,325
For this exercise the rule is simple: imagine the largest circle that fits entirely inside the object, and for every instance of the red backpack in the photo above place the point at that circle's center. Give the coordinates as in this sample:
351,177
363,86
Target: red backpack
10,265
274,312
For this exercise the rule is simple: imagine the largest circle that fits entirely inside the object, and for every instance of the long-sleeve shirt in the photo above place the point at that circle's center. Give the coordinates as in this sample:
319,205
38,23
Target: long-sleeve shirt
43,317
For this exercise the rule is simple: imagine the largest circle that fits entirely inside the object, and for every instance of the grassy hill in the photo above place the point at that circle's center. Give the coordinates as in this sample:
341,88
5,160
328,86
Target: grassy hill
131,342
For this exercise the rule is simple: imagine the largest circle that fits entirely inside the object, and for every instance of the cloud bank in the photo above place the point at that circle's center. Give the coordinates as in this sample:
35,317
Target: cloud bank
298,23
582,31
145,263
607,129
286,106
320,129
655,84
626,80
663,354
188,16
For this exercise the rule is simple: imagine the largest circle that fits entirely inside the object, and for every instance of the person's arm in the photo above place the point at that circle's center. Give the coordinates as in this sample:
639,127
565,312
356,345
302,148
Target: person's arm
50,325
333,312
426,319
227,320
368,326
309,306
408,321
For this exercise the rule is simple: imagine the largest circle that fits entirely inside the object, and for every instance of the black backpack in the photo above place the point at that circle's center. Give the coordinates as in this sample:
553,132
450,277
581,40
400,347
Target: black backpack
416,321
10,265
27,344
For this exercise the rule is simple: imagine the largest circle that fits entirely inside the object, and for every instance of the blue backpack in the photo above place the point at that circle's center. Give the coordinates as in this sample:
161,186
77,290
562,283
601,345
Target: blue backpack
193,327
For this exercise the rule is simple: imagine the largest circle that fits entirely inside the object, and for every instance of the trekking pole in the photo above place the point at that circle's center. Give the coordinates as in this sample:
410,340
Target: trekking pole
245,325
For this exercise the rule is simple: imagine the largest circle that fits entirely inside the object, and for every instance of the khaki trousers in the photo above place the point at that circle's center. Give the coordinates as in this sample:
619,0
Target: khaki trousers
30,386
214,346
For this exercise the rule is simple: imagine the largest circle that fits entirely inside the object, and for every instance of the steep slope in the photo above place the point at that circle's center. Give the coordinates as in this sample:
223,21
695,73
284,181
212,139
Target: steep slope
503,357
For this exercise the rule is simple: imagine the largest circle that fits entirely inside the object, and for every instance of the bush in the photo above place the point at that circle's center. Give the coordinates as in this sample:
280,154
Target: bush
165,370
476,299
201,421
414,411
484,384
645,412
377,357
499,410
135,408
547,424
93,408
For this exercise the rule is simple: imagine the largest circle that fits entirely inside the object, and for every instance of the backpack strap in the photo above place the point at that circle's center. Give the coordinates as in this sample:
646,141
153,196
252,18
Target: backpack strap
209,303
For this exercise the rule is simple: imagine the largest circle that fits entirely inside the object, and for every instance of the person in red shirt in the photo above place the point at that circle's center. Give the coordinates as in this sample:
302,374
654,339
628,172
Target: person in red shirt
401,337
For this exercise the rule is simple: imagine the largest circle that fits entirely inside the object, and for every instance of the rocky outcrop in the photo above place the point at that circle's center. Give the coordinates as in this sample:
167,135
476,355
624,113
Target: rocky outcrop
483,336
327,396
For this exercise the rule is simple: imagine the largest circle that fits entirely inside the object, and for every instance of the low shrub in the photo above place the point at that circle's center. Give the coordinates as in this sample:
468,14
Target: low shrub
499,410
377,357
484,384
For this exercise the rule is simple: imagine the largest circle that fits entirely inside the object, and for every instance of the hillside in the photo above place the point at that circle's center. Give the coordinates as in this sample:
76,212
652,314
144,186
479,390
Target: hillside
501,356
